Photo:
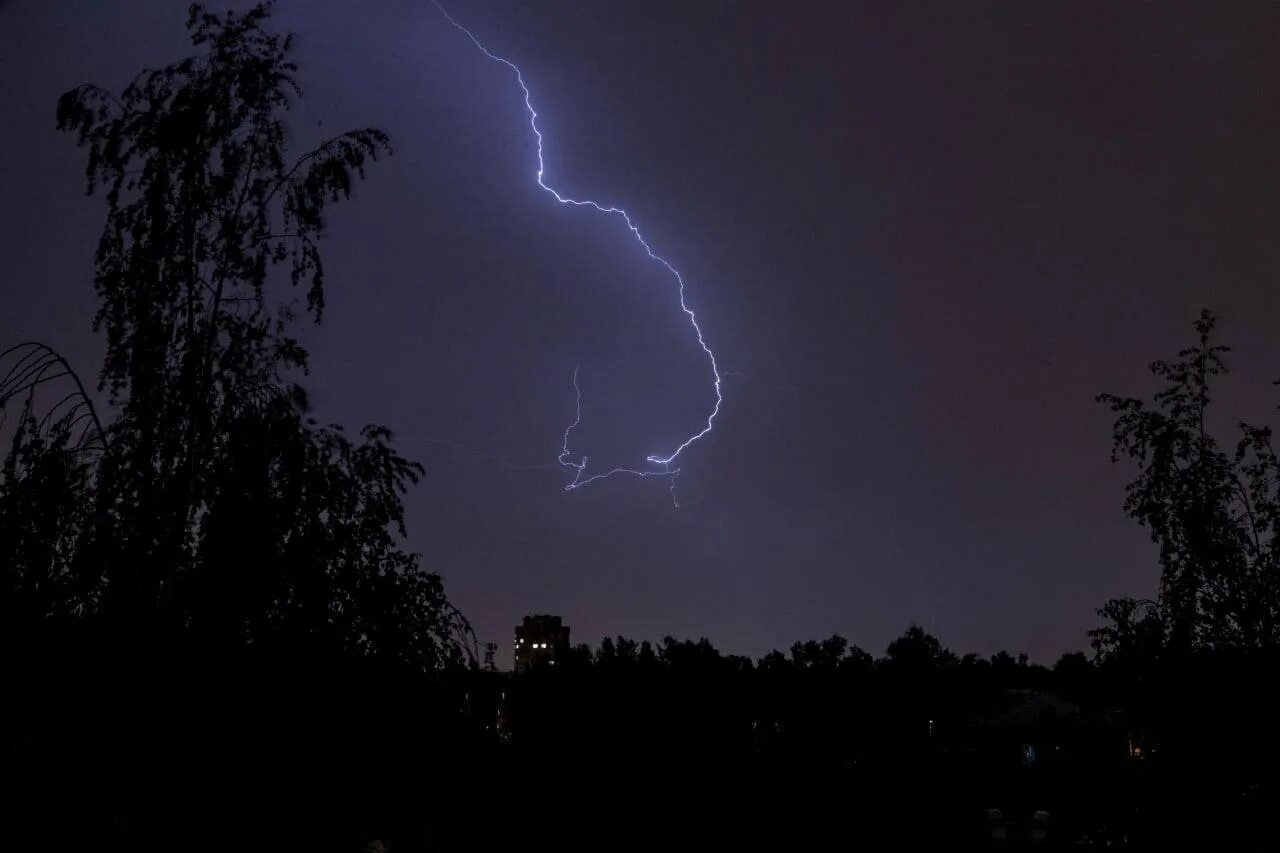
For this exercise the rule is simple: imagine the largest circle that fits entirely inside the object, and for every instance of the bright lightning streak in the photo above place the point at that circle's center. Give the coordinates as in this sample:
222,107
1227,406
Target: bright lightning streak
580,467
565,458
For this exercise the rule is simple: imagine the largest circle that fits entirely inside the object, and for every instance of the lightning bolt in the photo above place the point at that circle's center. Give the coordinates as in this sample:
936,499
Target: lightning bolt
660,465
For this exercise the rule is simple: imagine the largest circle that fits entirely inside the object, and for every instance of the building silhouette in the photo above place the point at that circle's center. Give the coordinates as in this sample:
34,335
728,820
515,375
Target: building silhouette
540,639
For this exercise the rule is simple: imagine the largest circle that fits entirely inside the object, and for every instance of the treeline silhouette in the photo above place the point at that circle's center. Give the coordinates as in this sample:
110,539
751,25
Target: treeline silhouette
213,637
914,747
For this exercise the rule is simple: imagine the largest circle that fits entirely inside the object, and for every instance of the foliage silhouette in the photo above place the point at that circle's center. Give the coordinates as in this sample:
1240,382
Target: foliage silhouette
1214,514
205,579
220,510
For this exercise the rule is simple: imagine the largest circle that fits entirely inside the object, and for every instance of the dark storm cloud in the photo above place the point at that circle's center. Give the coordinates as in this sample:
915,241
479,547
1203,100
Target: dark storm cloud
922,236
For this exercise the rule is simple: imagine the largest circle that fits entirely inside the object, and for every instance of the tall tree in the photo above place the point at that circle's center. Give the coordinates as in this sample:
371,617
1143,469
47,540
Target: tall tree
218,506
1212,512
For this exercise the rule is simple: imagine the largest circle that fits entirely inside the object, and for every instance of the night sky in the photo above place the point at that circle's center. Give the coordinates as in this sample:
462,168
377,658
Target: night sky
920,238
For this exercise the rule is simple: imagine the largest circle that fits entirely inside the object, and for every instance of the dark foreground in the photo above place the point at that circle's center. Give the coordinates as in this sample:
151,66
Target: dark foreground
669,753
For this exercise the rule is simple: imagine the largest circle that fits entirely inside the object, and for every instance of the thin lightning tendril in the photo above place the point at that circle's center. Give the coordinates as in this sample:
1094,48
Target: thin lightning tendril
566,459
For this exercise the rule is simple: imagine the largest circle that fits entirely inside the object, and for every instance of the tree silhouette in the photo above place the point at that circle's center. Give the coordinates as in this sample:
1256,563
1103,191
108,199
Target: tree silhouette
199,575
212,504
917,651
44,487
1213,513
